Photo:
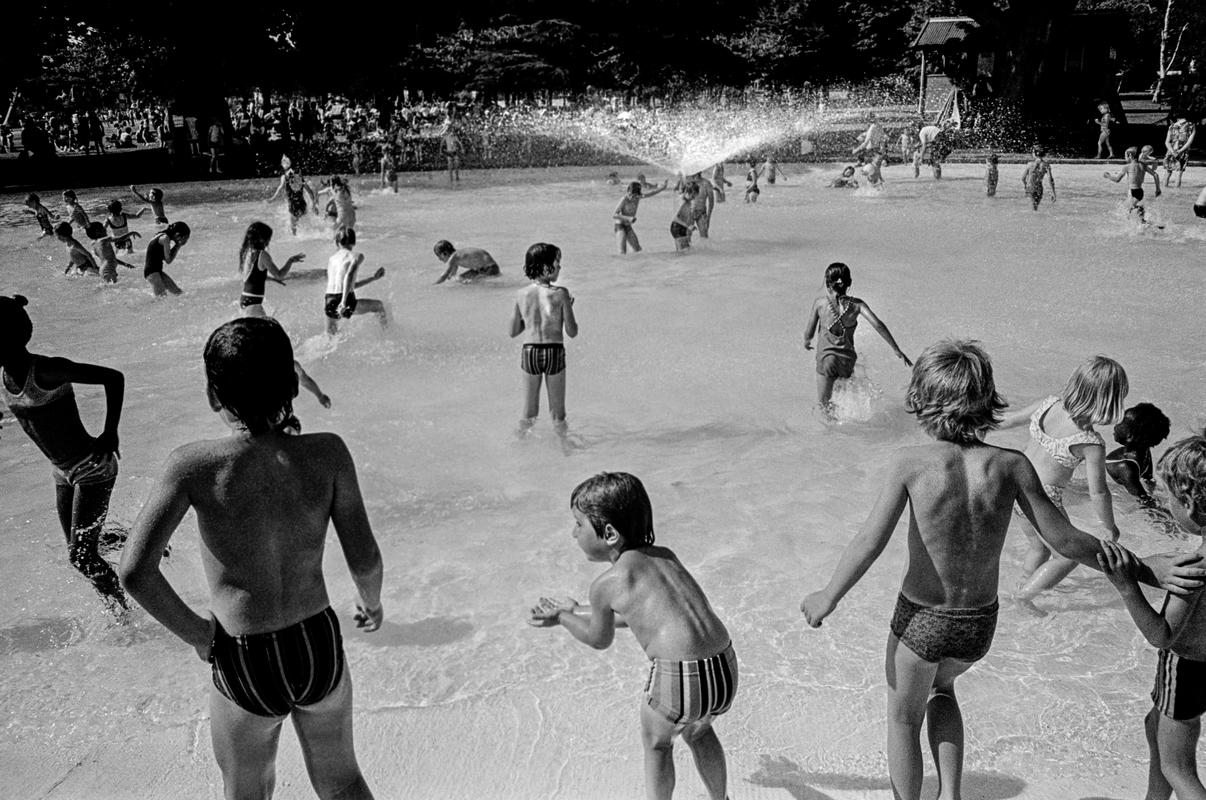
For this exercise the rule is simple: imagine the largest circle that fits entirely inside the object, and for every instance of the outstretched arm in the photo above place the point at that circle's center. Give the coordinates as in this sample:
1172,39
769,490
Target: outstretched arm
310,385
140,196
599,629
1020,416
275,194
1160,630
883,331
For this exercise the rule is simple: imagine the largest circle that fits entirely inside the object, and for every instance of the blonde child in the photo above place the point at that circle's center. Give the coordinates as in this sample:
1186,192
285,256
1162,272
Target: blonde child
154,199
959,492
340,301
544,313
1178,630
1061,437
693,675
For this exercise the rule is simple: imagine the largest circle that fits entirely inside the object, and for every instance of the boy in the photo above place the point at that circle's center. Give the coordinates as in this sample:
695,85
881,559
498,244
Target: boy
693,677
476,262
846,180
389,171
1179,630
41,213
961,492
704,202
264,499
78,258
625,216
680,226
751,182
340,301
155,200
546,311
991,175
1032,178
1136,170
102,248
873,171
452,151
1177,142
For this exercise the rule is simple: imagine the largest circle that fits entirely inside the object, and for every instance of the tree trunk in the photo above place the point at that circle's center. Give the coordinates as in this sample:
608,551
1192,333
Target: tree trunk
1163,65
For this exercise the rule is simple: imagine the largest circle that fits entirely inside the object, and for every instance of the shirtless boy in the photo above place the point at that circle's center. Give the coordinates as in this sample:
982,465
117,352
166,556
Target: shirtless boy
475,262
1135,170
1032,178
625,216
544,313
78,258
961,494
264,499
693,674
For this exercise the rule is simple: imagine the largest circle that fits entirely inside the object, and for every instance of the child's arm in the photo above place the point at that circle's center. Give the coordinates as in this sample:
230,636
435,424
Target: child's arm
1051,179
279,273
810,330
348,283
1019,417
279,187
862,551
1126,475
1099,492
57,371
1160,630
141,211
379,274
140,196
517,324
599,629
883,331
1026,178
1114,178
658,190
140,557
567,312
310,385
356,538
308,189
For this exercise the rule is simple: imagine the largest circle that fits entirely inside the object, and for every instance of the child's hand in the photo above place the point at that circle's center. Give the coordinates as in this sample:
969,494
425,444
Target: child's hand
1118,564
324,401
369,619
808,344
135,235
816,607
380,273
546,612
900,354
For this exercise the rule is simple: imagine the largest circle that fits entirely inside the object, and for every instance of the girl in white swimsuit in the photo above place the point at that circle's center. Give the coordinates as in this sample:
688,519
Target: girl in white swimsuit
1061,437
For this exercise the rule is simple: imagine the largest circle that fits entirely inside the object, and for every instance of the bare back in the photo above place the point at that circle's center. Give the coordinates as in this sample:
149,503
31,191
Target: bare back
542,308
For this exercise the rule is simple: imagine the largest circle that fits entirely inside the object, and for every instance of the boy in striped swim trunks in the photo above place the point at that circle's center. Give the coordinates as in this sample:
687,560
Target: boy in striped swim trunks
544,314
1179,629
264,499
693,669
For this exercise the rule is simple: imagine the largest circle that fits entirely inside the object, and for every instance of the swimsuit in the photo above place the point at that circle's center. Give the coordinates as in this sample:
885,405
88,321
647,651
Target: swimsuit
1137,194
269,674
678,230
1199,211
253,287
543,359
295,195
1180,690
690,691
935,634
331,305
1060,449
154,257
835,350
51,418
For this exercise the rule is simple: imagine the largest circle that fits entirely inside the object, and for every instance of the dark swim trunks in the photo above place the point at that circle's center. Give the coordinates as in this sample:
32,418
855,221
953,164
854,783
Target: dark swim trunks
1180,690
1137,194
250,300
268,674
332,305
1199,211
934,634
542,359
679,231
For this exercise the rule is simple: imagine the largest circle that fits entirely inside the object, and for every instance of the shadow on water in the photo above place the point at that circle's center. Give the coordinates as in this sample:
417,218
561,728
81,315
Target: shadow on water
431,632
777,772
40,635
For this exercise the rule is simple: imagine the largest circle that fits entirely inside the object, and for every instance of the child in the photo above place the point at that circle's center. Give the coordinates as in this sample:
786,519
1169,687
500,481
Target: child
613,179
476,262
264,500
680,226
1199,205
839,313
546,312
693,672
908,146
719,182
39,392
78,258
163,249
356,158
873,170
1173,724
1143,426
1177,142
959,491
625,217
702,204
991,174
75,212
751,183
155,201
119,226
1136,170
340,301
452,151
1061,437
341,196
296,189
102,248
773,171
256,262
1032,178
389,172
1106,121
41,213
846,180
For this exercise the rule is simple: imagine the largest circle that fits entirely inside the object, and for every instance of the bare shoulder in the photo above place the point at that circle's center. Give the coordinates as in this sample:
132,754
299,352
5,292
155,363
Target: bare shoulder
325,447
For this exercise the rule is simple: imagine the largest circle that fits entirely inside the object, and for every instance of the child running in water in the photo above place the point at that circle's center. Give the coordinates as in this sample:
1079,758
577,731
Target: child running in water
341,196
1135,170
256,263
264,500
544,313
340,301
41,213
118,224
154,199
102,248
163,249
838,313
1032,178
1143,426
625,217
719,181
78,258
1061,437
296,189
751,182
1178,630
75,212
680,226
39,392
846,180
693,668
959,492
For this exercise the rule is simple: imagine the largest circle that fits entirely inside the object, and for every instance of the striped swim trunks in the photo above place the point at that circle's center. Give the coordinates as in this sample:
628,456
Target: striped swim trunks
1180,691
690,691
268,674
542,359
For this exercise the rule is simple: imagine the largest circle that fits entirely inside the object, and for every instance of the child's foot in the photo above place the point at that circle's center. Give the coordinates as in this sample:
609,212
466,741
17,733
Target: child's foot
525,427
1027,605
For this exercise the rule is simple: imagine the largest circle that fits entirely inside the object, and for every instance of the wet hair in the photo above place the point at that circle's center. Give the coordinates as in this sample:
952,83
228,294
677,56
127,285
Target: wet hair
337,181
257,237
837,277
634,187
1183,470
617,499
848,170
15,324
177,231
444,248
32,198
993,158
540,259
63,229
95,230
952,392
1095,392
346,237
68,194
1039,151
1131,152
114,207
155,194
1142,425
249,367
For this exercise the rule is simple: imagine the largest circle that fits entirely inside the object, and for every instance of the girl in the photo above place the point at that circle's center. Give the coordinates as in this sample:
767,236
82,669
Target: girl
341,197
296,188
102,248
838,313
42,213
39,392
719,181
680,226
1143,427
258,265
75,212
751,183
162,249
1061,437
625,216
118,223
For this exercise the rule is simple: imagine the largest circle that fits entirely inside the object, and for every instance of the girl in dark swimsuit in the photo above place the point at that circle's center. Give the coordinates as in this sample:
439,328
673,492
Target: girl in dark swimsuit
162,249
296,188
256,263
1143,426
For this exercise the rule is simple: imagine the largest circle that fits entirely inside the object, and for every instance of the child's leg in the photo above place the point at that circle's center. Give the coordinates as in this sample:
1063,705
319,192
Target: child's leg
633,241
1158,787
169,284
555,386
657,735
702,222
910,680
1046,577
709,758
373,307
157,285
622,240
82,511
945,723
824,389
1177,740
531,396
325,733
244,747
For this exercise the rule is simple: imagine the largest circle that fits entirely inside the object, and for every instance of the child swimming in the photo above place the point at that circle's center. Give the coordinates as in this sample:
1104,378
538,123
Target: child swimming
256,263
1143,426
693,672
544,313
